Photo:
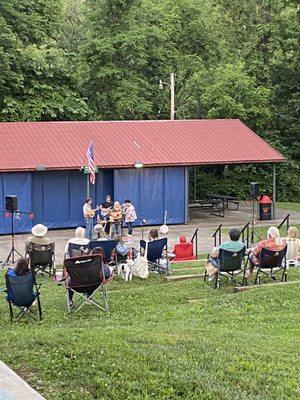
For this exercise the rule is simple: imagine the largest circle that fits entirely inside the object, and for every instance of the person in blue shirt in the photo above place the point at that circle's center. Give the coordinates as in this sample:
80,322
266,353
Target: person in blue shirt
234,245
22,268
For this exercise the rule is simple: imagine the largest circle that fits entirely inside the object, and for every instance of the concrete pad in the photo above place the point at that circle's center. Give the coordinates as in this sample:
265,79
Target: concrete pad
206,223
13,387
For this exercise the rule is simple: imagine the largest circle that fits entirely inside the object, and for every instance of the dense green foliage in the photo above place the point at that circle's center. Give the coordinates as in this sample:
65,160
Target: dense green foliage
160,341
102,59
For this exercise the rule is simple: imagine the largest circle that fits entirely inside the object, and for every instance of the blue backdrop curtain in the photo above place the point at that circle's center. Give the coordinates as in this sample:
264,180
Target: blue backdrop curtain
153,191
56,197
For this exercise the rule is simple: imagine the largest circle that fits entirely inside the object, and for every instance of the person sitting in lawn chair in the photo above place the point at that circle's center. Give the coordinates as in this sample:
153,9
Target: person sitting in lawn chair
184,250
108,270
22,290
293,245
234,245
79,239
38,236
273,243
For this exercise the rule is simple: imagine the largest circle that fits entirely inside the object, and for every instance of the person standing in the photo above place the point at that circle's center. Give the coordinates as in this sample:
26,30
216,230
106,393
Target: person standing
105,208
130,215
88,215
115,217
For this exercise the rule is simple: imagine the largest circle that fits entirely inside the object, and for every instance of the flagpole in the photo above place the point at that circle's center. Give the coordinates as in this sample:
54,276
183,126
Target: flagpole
87,185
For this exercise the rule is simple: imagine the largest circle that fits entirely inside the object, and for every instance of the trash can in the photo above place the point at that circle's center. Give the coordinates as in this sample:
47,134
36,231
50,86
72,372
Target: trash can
265,208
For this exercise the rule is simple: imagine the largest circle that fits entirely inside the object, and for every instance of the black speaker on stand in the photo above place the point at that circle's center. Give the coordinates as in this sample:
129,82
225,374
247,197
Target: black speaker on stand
11,206
254,195
11,203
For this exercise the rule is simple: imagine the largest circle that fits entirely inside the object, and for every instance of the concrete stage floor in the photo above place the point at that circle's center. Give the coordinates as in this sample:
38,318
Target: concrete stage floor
206,223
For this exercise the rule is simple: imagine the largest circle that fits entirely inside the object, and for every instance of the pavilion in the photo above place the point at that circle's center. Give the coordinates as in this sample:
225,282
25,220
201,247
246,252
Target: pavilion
41,163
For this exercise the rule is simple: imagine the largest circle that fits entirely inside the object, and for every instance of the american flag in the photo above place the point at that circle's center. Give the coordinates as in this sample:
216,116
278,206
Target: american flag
91,162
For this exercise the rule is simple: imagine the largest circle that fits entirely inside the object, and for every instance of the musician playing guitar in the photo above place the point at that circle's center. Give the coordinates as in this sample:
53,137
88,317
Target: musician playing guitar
105,208
115,216
88,214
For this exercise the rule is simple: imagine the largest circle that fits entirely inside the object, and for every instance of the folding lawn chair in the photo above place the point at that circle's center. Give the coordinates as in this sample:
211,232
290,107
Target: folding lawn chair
23,293
155,254
231,265
108,247
41,257
77,250
86,278
271,262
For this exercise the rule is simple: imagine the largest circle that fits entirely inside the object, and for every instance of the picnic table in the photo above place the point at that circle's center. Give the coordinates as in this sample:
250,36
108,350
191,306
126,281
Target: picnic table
215,206
225,199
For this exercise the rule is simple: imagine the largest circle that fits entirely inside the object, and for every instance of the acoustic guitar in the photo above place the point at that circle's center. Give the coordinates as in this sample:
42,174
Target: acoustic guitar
91,213
115,215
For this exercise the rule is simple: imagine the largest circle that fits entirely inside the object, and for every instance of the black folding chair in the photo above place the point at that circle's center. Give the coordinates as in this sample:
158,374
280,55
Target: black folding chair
41,257
108,246
231,265
86,278
270,263
23,293
155,250
77,250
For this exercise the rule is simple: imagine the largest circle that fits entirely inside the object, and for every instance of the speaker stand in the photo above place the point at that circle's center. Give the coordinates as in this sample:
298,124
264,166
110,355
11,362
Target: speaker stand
10,259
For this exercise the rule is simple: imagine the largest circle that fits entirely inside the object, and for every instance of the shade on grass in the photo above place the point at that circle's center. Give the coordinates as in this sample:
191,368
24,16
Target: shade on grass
155,344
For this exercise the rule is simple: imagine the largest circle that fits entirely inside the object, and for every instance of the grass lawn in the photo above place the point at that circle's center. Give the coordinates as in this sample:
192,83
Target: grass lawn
289,206
155,344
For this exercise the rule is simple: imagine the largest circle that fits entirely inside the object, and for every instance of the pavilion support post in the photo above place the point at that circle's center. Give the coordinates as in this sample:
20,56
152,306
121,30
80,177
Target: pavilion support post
195,183
186,208
274,191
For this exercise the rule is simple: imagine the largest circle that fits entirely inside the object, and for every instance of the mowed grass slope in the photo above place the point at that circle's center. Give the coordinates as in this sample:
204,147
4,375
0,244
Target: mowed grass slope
157,344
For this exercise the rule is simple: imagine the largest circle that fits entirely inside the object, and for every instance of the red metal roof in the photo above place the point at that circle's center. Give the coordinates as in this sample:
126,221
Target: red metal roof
118,144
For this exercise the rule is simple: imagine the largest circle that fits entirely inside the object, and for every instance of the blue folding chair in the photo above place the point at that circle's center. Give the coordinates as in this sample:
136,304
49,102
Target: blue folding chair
155,254
270,263
77,250
108,247
22,292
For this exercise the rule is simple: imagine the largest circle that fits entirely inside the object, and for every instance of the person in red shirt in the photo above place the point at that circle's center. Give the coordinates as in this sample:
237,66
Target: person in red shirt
184,250
274,242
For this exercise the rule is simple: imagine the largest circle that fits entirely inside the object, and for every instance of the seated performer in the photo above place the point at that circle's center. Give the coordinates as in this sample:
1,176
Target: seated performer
38,236
115,217
105,208
184,250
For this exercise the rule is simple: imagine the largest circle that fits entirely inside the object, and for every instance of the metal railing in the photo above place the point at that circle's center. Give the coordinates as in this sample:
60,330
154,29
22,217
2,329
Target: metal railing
245,233
285,220
195,239
218,233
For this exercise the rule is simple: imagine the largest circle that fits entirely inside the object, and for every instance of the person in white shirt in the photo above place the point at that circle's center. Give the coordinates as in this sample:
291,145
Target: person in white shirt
88,215
78,239
130,215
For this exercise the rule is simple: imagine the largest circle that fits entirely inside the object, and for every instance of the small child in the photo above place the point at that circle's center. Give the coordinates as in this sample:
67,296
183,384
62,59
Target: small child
293,244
